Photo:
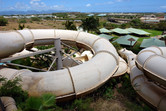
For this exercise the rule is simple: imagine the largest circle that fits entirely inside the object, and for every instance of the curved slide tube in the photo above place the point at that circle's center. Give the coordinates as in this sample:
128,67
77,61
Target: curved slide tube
147,89
9,103
69,82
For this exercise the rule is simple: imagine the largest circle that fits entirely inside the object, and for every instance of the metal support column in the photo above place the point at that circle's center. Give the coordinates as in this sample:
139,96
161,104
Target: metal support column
57,45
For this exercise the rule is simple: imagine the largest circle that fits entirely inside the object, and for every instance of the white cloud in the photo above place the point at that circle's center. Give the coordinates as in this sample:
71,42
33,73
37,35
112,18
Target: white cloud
37,4
88,5
19,6
105,3
57,7
164,7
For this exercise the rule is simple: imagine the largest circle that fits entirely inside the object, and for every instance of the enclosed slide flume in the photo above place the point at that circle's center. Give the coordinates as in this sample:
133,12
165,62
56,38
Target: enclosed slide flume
147,69
68,82
148,74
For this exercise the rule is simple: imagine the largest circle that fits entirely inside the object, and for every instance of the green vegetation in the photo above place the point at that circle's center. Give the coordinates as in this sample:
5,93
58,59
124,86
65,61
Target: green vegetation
44,103
21,27
117,46
90,24
153,32
22,21
82,105
35,19
3,21
13,89
70,25
63,15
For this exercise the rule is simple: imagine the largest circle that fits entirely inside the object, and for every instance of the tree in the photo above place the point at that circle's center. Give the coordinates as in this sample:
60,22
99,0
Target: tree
70,25
21,27
90,24
136,23
3,21
162,26
125,25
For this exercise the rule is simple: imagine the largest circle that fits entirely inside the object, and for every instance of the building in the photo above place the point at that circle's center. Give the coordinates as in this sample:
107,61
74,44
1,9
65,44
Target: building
124,40
152,42
151,18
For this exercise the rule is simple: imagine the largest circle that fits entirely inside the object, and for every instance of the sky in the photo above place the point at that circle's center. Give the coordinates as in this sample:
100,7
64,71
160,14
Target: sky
85,5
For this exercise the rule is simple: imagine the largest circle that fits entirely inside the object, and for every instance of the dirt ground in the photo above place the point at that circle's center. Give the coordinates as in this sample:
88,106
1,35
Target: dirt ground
43,24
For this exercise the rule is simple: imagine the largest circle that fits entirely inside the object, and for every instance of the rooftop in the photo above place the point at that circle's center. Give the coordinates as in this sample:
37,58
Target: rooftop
124,40
152,42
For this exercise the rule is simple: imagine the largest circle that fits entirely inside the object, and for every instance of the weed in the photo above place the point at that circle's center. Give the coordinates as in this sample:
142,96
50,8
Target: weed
82,105
13,89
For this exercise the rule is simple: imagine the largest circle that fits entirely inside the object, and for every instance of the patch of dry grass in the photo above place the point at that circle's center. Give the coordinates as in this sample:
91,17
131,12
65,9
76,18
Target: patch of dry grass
44,24
107,105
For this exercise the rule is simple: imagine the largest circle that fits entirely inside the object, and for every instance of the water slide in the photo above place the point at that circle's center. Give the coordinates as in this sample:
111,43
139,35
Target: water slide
69,82
148,74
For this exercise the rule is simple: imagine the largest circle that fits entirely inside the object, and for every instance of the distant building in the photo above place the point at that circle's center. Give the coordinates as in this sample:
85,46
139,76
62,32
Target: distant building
101,15
90,15
119,20
123,14
72,16
151,18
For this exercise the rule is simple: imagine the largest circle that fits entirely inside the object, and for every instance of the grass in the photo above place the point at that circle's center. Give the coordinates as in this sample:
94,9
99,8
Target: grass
153,32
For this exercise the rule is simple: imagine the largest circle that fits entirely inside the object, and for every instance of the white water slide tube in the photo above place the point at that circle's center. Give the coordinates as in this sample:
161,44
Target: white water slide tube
69,82
148,74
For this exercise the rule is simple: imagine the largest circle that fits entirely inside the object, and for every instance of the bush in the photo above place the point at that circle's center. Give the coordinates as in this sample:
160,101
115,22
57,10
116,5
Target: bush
3,21
35,19
13,89
22,21
70,25
117,46
82,105
44,103
21,27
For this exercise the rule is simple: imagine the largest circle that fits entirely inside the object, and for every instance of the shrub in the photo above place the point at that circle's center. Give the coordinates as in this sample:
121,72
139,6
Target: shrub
13,89
117,46
35,19
22,21
3,21
21,27
82,105
44,103
70,25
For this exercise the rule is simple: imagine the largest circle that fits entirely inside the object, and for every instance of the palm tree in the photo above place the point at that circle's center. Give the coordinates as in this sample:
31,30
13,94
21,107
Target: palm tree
90,24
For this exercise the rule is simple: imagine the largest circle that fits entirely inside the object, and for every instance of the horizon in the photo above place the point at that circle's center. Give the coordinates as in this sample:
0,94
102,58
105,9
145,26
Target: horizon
85,6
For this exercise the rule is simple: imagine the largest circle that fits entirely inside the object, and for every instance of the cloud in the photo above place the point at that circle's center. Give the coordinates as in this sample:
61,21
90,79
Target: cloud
88,5
105,3
164,7
19,6
57,7
37,4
